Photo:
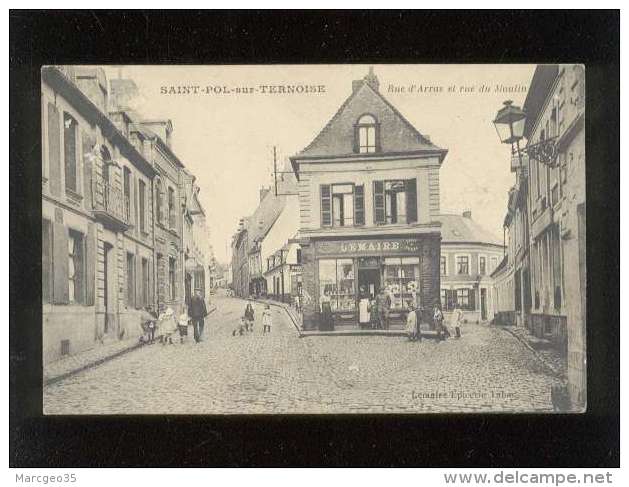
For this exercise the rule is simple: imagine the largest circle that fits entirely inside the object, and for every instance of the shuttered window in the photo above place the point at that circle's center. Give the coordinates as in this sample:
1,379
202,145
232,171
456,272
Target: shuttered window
130,279
411,200
54,150
378,202
88,146
395,201
145,282
326,206
171,208
171,278
126,187
76,267
158,201
69,152
142,203
46,254
359,205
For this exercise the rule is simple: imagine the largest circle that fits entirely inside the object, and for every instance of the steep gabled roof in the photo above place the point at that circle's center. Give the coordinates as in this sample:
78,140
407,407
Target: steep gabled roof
461,229
397,135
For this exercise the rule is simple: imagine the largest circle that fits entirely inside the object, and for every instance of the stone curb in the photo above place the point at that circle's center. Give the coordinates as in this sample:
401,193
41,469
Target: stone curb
278,305
92,364
537,355
100,361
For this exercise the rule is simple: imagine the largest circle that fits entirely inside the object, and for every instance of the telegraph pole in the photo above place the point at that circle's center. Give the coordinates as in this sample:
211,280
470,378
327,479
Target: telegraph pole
275,168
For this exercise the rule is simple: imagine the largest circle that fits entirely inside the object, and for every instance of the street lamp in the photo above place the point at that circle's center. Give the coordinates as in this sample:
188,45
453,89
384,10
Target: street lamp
509,122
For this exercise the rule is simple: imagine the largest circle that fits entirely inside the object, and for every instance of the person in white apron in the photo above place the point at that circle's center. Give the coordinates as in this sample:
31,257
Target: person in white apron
364,311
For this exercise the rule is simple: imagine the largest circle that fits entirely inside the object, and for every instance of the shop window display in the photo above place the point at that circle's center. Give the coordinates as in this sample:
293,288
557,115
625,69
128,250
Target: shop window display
336,279
401,279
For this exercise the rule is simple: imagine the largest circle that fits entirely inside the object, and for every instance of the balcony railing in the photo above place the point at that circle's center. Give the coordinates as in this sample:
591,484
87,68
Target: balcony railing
110,204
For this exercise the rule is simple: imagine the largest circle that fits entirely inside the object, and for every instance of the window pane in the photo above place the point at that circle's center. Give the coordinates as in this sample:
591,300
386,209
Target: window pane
371,136
362,139
348,209
337,210
327,280
345,282
367,119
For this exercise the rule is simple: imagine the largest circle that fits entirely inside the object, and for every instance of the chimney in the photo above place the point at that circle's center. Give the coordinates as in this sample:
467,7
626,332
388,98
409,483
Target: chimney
263,192
93,83
161,128
467,214
356,84
124,95
372,80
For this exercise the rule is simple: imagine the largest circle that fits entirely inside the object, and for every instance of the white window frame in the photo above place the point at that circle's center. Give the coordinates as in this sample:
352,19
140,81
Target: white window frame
444,255
487,271
469,264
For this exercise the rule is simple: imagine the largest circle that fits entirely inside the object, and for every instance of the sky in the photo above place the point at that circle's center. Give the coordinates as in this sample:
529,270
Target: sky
227,139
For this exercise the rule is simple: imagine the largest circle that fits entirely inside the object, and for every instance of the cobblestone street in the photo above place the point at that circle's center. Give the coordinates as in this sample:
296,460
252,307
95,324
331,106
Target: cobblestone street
486,370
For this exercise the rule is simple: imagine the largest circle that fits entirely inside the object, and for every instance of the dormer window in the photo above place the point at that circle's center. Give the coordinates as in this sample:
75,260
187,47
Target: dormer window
366,134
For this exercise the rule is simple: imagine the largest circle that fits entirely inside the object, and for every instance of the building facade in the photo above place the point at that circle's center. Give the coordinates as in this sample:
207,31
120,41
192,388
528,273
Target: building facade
369,209
469,255
240,259
556,108
545,266
112,212
97,236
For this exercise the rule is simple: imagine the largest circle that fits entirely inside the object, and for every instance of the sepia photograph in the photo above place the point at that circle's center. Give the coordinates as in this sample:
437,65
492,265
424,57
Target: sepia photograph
313,239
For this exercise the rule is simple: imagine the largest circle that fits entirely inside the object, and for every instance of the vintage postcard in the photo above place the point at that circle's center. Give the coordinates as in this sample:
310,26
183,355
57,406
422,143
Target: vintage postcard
297,239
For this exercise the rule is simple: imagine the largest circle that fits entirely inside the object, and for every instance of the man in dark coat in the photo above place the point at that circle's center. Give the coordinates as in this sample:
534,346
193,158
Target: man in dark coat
197,312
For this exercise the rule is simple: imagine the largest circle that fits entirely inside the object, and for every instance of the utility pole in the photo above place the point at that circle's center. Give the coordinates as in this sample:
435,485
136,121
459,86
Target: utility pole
275,168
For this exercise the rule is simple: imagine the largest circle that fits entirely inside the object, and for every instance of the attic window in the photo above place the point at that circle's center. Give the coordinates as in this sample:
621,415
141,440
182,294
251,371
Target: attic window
366,134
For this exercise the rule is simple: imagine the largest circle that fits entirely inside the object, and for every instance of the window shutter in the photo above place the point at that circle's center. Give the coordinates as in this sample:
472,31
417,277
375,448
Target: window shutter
378,202
134,202
46,254
411,200
356,139
151,293
472,299
326,206
139,278
90,264
54,150
359,205
60,263
88,145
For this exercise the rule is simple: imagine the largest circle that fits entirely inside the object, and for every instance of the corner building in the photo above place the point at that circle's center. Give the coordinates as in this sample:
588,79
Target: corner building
369,209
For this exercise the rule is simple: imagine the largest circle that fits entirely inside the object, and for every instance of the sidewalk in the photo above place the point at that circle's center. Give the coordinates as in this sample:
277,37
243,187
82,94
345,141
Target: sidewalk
93,357
295,317
550,357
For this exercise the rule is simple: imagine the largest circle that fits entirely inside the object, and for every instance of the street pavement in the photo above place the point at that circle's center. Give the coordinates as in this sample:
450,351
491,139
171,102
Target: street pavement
486,370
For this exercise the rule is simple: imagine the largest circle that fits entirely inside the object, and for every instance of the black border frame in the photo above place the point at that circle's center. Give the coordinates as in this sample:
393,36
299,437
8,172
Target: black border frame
172,37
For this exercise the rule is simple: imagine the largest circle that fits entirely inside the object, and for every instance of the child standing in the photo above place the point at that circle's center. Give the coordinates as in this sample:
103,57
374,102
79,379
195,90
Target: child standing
249,316
267,319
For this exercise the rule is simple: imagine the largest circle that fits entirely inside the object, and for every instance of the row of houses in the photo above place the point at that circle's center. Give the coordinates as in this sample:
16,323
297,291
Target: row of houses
122,225
363,215
541,283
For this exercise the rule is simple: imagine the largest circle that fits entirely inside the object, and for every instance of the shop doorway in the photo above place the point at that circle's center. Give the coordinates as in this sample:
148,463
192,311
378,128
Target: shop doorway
369,281
110,289
483,304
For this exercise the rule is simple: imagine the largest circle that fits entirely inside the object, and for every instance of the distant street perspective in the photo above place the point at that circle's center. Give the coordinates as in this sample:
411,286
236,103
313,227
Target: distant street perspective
486,369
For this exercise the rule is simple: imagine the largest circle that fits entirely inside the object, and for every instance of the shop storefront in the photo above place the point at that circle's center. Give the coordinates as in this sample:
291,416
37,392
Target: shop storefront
347,270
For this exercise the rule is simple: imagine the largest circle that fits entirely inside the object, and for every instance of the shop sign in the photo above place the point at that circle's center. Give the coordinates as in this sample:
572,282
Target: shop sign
411,246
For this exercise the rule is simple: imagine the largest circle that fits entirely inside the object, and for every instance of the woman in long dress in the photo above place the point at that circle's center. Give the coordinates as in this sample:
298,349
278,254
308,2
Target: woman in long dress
364,314
326,313
411,324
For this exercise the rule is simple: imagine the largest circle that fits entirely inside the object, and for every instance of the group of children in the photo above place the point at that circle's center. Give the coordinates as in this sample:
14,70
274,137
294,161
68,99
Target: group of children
413,320
248,319
168,325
